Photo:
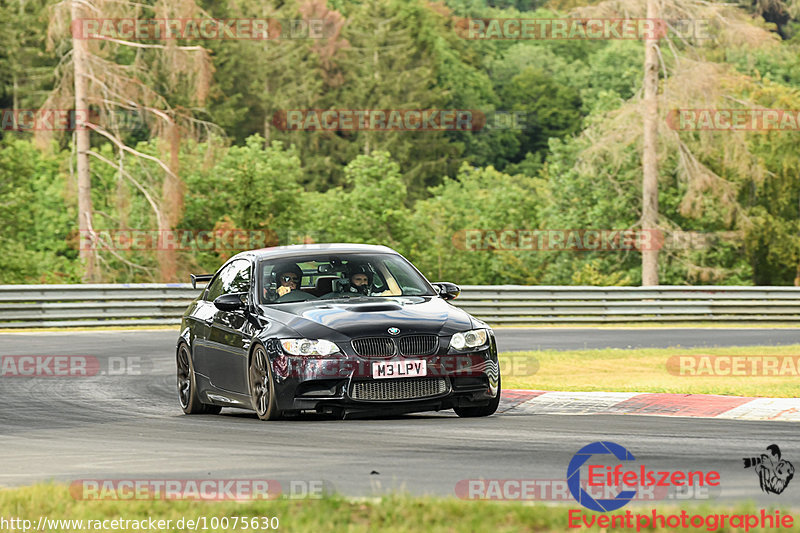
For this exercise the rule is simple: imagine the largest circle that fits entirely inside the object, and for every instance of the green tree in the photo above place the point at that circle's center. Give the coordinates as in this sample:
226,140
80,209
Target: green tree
26,71
39,241
478,199
370,208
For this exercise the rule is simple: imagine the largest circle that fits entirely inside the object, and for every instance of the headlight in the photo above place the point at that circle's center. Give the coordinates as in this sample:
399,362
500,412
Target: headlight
309,347
468,339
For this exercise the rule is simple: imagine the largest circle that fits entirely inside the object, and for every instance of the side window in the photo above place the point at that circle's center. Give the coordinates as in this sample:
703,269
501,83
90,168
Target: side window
238,279
309,279
233,278
215,289
402,278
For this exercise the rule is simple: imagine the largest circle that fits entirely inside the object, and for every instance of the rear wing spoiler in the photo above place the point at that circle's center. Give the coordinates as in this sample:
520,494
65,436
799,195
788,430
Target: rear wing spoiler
201,278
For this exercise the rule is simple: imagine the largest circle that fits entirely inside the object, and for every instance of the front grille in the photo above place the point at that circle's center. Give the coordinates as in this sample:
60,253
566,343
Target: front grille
418,344
374,347
398,389
413,345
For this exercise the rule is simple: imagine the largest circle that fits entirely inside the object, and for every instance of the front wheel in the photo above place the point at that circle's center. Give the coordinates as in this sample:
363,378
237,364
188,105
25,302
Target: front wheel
486,410
262,386
187,386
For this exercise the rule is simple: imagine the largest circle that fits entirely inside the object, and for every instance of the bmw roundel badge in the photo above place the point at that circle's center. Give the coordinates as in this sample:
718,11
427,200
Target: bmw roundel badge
394,331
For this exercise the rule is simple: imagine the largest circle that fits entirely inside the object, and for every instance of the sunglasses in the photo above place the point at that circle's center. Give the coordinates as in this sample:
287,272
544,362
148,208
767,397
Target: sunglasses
293,279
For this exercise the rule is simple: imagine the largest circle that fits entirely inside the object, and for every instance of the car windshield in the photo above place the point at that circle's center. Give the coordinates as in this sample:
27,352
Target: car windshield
332,276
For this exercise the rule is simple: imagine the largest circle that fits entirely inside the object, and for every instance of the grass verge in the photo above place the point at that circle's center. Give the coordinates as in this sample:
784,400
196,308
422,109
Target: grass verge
334,513
641,370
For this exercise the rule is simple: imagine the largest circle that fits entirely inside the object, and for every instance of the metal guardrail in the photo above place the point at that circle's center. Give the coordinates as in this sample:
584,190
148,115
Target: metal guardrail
509,304
33,306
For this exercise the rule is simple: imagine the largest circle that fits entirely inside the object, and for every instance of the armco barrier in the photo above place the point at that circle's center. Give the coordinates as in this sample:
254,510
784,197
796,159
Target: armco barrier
26,306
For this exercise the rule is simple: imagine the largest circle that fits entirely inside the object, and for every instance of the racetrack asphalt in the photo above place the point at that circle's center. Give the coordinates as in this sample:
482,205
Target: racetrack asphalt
128,425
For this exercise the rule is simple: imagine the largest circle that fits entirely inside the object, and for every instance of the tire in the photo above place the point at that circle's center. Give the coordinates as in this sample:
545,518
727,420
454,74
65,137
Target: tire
187,386
262,386
485,410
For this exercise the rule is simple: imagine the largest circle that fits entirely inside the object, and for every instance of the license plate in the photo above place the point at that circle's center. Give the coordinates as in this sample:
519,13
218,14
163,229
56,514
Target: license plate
410,368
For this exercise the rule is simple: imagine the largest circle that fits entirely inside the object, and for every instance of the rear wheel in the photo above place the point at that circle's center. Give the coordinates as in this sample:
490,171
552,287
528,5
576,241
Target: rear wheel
262,386
486,410
187,387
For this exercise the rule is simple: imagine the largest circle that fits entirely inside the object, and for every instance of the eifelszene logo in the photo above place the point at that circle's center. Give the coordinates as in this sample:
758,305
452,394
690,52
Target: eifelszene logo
774,473
616,479
574,477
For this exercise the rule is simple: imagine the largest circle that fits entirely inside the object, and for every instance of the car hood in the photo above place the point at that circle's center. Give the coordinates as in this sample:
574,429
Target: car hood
356,317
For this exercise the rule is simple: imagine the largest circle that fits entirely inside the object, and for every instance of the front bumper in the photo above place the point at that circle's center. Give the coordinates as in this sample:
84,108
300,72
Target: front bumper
346,383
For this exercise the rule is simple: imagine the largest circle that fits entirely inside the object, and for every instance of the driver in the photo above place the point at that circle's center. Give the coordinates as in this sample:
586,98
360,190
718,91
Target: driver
289,276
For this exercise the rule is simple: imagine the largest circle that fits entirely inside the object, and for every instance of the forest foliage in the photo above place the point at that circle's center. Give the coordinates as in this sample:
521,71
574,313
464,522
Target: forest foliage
561,148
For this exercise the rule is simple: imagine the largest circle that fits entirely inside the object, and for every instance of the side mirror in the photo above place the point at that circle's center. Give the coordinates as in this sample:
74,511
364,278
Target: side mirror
229,302
446,290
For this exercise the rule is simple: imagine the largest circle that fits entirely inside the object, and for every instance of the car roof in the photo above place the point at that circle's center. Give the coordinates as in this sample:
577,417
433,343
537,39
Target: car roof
277,252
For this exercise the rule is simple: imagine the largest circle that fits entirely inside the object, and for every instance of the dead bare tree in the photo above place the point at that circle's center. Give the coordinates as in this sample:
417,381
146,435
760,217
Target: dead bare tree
649,150
689,80
101,90
80,66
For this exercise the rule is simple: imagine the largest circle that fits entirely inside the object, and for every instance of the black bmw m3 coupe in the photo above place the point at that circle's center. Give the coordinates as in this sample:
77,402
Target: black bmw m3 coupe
343,329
